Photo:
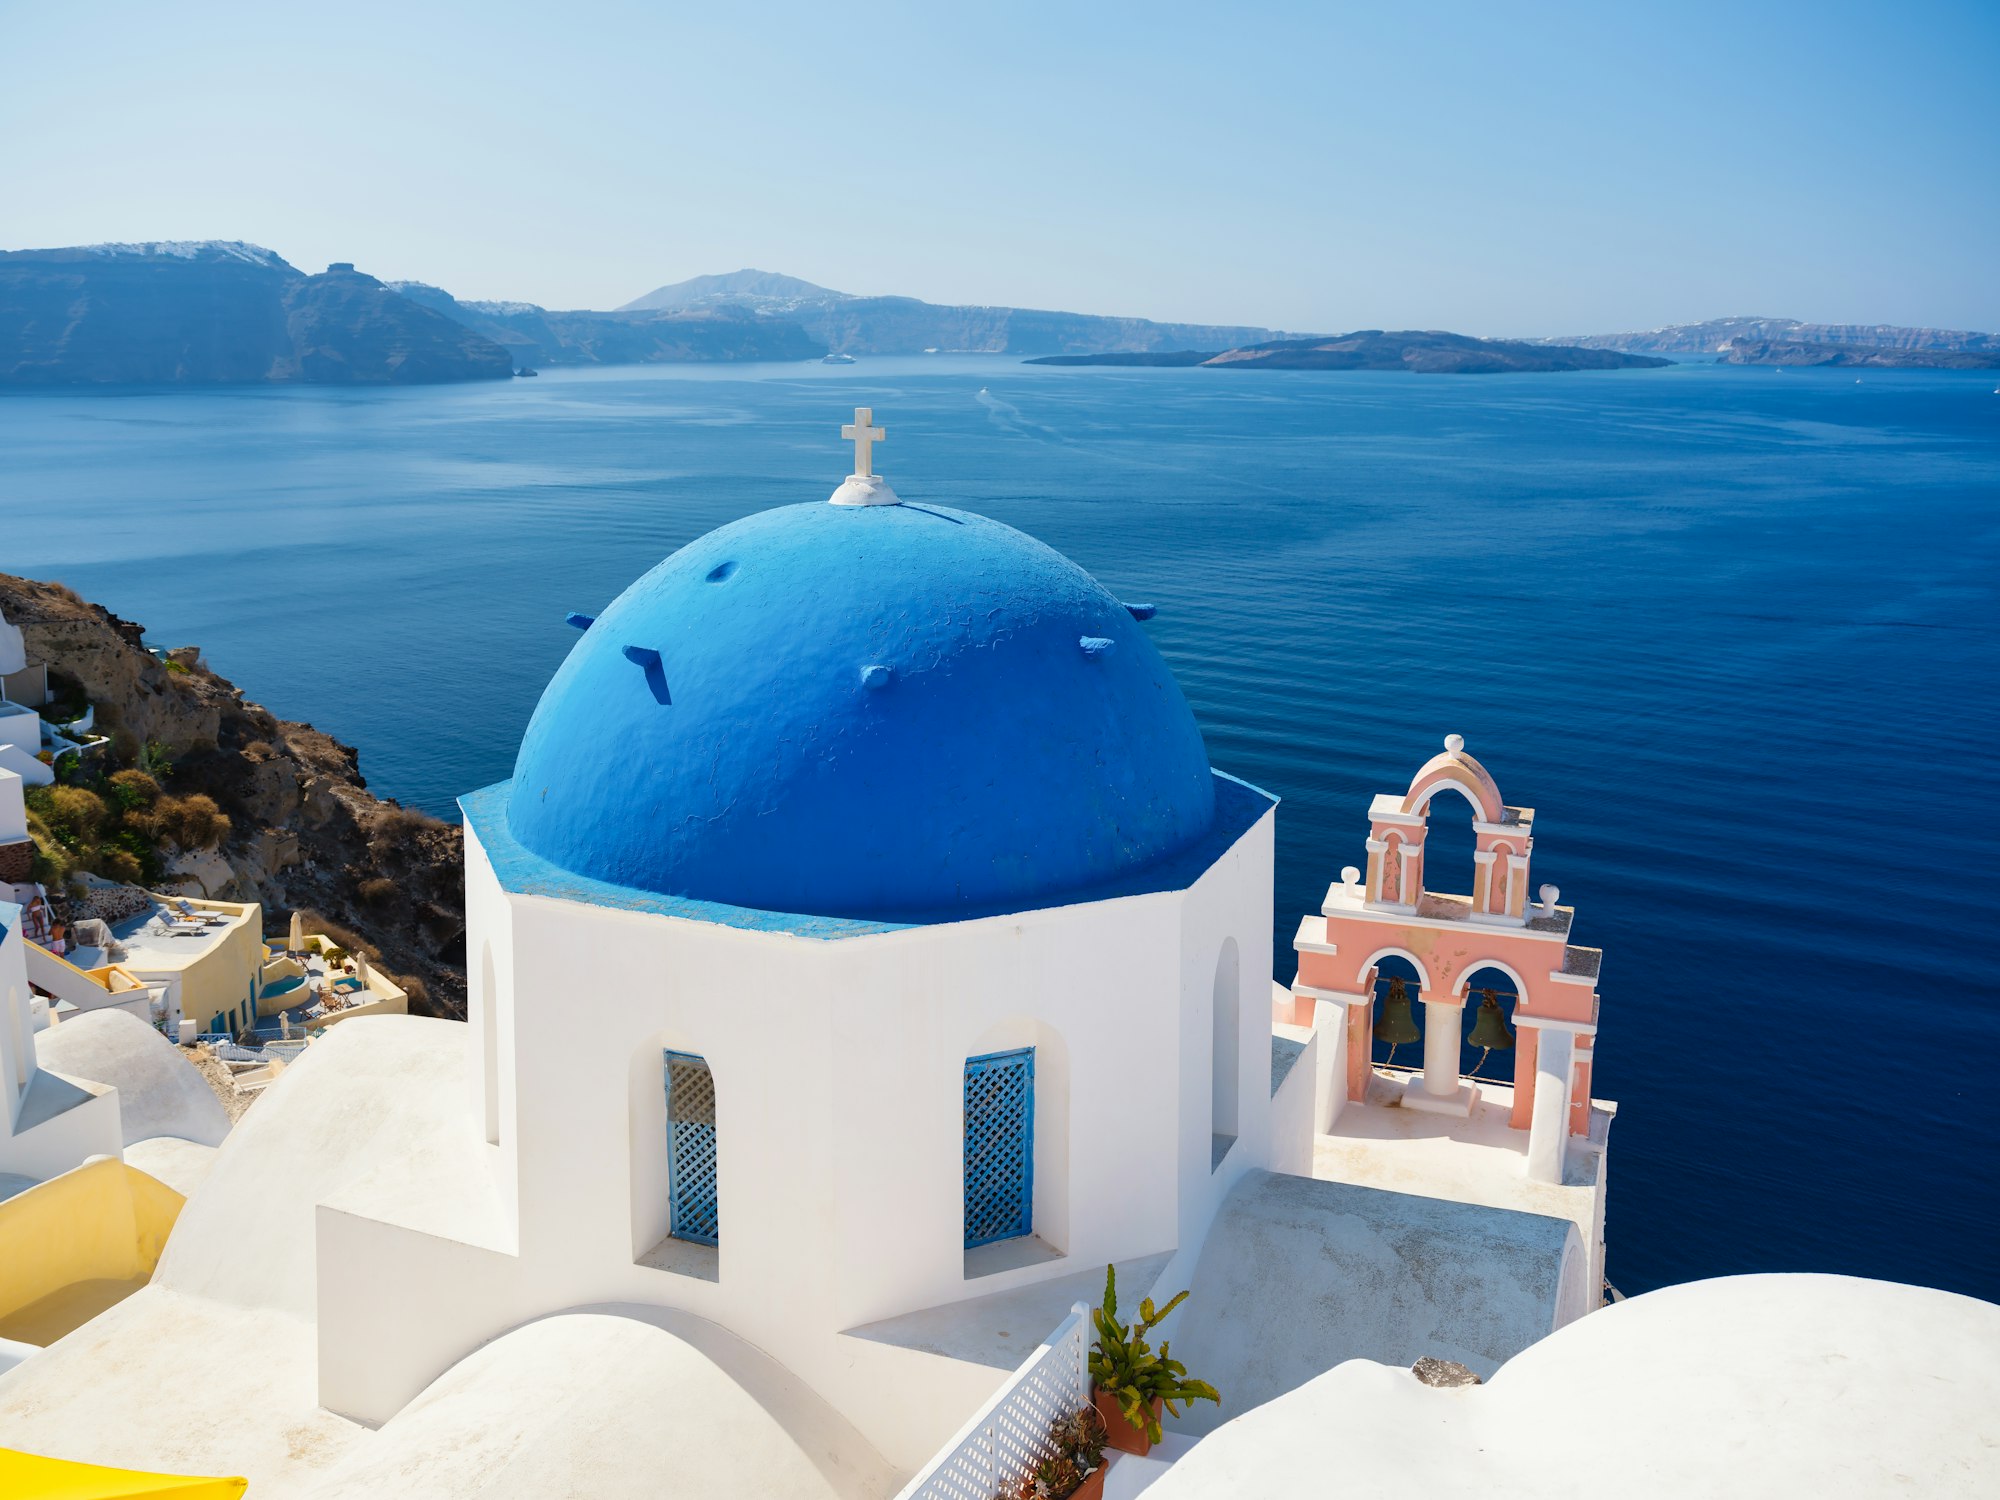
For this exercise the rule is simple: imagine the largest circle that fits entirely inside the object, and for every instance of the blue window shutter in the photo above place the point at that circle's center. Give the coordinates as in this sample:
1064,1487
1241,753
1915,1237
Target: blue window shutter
999,1146
691,1193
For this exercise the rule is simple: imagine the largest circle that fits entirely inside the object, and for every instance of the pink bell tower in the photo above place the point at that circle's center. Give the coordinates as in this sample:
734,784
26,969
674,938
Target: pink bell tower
1450,940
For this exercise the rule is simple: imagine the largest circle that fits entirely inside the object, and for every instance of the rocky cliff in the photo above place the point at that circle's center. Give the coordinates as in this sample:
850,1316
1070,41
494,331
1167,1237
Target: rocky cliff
304,831
216,313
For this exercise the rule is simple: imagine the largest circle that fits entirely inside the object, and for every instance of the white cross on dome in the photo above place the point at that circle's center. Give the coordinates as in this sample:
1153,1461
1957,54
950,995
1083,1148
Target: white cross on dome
864,486
864,435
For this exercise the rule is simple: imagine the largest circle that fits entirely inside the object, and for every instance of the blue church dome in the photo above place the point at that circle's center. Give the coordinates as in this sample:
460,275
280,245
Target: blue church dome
876,711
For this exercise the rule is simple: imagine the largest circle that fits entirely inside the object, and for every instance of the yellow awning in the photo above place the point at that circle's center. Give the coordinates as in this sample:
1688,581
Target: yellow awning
28,1476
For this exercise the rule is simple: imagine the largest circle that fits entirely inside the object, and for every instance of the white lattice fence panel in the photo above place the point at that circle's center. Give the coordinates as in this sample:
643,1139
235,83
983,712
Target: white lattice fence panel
1000,1446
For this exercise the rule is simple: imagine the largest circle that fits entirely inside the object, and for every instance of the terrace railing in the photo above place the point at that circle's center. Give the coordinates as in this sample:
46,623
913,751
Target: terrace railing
1009,1436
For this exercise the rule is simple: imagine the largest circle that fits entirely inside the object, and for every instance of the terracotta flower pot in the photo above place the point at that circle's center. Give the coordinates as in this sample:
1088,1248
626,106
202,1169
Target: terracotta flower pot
1093,1487
1119,1433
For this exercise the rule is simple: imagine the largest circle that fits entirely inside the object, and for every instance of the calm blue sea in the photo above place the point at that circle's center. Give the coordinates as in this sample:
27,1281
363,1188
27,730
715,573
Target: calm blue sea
1732,632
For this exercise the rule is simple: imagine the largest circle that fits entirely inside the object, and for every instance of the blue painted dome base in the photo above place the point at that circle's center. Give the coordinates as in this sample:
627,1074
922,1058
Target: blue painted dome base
521,872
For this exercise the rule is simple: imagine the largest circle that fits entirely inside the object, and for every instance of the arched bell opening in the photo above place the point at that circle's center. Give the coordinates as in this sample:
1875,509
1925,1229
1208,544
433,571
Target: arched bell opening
1449,841
1492,992
1398,1037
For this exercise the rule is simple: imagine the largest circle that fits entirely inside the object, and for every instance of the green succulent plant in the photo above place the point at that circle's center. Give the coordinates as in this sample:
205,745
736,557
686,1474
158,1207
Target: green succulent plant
1123,1363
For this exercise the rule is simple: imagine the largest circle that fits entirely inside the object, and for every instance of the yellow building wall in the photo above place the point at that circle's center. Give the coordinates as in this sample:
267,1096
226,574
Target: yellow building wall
225,976
100,1222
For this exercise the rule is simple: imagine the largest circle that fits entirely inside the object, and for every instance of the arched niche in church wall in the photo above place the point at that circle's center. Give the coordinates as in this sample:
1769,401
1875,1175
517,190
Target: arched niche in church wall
488,1021
1225,1049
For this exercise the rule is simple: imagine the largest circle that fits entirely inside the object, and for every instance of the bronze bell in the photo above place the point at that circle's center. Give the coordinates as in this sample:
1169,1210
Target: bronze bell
1489,1027
1396,1025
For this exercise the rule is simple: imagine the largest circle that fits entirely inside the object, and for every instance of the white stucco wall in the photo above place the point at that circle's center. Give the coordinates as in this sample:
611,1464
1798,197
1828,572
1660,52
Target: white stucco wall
20,728
839,1075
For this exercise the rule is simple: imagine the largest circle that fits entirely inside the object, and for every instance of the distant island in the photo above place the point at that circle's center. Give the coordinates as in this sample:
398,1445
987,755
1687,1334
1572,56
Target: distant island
1787,341
215,312
1425,352
535,337
848,324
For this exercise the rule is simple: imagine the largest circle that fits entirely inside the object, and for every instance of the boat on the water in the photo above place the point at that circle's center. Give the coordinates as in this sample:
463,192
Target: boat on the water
838,359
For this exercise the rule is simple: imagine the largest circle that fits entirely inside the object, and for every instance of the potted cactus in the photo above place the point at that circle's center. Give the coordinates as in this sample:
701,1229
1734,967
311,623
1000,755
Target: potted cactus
1130,1383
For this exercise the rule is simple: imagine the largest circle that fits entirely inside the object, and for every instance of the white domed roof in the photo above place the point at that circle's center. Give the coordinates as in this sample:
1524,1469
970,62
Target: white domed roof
605,1405
159,1094
1823,1386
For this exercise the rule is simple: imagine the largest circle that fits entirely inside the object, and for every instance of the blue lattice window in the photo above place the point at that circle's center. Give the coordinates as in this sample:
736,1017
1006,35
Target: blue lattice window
691,1196
999,1146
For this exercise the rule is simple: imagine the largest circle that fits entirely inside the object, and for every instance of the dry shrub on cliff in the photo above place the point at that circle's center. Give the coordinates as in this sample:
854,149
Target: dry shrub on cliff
192,822
133,790
118,864
73,814
75,828
376,889
394,823
52,863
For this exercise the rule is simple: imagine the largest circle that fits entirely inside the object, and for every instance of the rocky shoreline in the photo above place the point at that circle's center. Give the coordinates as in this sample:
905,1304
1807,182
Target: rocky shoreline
303,830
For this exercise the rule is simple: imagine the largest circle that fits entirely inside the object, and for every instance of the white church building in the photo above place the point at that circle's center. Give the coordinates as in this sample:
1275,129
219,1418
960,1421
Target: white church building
863,933
862,956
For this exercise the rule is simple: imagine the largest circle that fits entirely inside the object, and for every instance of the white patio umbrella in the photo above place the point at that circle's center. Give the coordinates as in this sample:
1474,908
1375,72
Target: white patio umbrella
361,967
297,942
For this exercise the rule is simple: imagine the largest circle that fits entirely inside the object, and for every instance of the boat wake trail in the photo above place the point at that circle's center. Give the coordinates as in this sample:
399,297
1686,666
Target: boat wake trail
1007,417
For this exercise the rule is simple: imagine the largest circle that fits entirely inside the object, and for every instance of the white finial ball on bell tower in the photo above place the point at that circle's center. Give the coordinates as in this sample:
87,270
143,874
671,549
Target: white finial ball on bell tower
1550,895
1454,743
1350,875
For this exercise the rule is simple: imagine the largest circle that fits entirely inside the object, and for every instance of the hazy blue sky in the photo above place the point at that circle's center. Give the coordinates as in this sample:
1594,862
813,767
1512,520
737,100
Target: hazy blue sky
1489,168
